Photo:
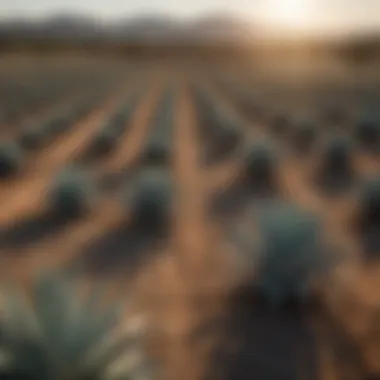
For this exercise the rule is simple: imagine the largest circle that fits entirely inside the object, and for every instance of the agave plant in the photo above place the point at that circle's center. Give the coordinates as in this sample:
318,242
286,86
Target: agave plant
260,165
103,142
51,333
11,158
369,214
290,253
151,199
304,136
333,114
218,127
281,124
122,117
157,151
336,166
72,194
159,146
33,137
367,131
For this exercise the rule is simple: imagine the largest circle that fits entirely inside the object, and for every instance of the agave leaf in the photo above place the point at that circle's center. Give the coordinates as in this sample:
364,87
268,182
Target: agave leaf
88,330
245,243
52,297
18,316
116,344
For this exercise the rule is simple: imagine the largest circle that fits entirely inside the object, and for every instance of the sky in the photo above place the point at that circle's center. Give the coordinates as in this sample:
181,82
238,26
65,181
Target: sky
306,14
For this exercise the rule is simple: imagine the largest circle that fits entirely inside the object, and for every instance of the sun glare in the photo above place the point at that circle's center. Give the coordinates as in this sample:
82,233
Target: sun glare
290,14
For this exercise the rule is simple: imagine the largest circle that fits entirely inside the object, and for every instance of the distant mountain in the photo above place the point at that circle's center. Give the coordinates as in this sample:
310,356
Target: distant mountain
147,27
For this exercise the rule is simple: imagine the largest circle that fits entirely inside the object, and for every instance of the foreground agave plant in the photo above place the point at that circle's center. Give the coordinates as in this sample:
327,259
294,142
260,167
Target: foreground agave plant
57,335
290,253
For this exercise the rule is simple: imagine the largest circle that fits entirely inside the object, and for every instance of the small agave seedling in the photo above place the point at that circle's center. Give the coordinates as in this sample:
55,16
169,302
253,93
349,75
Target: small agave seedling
60,123
11,159
157,151
229,134
281,124
336,166
370,205
367,131
151,199
103,142
72,194
33,137
52,333
260,162
333,114
304,136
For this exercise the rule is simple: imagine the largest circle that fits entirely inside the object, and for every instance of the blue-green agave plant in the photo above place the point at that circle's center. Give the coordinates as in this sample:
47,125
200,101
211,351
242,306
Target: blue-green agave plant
151,198
289,253
33,137
304,135
333,113
72,193
370,203
52,333
336,156
103,142
158,148
281,123
11,158
260,161
367,131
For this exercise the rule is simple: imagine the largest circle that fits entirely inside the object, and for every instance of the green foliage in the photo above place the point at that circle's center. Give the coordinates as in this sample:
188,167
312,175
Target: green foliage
122,117
218,126
291,252
11,159
281,124
151,200
370,204
304,136
333,114
158,149
103,142
72,194
367,131
336,157
57,334
260,162
33,137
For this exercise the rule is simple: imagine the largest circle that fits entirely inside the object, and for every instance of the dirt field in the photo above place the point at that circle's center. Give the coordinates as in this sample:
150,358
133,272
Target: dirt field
189,278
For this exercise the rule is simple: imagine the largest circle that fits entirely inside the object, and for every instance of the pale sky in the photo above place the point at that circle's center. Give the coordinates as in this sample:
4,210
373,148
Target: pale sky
317,14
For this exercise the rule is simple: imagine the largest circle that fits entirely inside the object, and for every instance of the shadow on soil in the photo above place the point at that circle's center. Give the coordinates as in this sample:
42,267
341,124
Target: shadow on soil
23,233
271,344
238,197
125,248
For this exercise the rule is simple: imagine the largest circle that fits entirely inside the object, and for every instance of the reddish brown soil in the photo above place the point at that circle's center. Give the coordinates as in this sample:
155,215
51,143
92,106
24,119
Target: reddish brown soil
185,285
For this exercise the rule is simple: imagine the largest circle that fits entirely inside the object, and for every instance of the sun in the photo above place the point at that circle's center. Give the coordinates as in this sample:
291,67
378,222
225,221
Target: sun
291,14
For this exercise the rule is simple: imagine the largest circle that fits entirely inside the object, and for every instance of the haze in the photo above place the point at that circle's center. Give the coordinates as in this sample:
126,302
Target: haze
308,15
